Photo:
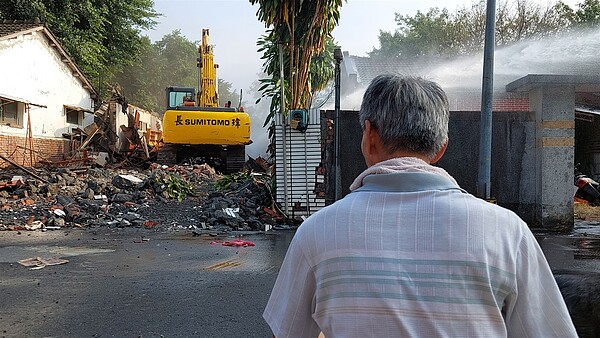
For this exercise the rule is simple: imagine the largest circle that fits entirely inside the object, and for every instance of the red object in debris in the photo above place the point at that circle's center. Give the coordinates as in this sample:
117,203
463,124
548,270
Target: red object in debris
150,224
237,243
272,213
129,204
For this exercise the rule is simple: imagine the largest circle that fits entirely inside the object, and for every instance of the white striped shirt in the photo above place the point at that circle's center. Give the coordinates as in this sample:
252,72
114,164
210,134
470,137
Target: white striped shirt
413,255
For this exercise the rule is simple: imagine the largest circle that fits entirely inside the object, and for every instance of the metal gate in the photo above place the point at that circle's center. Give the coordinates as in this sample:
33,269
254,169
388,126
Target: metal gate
297,156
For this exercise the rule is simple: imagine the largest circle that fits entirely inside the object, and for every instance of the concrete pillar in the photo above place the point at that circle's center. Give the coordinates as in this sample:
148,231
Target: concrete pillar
554,107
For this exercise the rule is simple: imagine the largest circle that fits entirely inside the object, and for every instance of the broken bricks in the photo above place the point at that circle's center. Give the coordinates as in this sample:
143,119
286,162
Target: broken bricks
92,197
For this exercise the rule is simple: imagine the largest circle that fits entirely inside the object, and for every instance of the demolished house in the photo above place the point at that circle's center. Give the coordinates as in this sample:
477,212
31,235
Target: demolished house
46,95
119,133
51,115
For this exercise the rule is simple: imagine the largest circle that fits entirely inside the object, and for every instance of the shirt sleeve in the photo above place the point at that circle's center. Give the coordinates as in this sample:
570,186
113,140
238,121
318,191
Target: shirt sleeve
291,304
537,309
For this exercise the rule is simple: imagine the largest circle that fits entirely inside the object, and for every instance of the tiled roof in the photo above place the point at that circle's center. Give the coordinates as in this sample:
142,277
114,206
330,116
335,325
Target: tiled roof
8,27
367,68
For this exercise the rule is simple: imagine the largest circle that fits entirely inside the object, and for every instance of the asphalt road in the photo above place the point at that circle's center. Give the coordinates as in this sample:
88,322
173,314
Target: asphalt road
134,282
137,283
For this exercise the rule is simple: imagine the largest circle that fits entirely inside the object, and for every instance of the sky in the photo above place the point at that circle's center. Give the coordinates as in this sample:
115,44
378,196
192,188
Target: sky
234,28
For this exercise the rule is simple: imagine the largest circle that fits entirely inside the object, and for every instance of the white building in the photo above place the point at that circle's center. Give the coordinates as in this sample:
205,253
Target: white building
43,94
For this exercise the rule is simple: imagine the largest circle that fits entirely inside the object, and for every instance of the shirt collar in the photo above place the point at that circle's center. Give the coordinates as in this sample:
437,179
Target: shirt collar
407,182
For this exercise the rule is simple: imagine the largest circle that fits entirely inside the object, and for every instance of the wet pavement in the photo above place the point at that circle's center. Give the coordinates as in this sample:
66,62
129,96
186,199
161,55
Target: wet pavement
133,282
136,283
578,250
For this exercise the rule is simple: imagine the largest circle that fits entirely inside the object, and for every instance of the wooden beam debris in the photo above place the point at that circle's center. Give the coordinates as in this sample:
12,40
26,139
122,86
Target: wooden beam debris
25,170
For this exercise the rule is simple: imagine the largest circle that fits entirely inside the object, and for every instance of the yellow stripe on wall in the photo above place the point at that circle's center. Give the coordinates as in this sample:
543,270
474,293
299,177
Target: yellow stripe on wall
565,124
558,142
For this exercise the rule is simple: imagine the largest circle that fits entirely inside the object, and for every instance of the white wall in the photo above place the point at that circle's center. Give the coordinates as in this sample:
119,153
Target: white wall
32,70
122,119
145,116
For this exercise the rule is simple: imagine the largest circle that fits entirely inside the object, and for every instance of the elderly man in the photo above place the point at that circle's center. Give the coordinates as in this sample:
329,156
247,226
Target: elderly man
408,253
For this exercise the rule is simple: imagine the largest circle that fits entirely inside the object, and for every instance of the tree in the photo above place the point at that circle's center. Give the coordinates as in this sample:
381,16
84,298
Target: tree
302,28
320,73
227,94
588,13
102,36
142,83
440,33
177,57
171,61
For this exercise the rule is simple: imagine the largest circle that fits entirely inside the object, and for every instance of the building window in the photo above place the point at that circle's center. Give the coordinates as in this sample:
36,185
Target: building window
11,113
74,116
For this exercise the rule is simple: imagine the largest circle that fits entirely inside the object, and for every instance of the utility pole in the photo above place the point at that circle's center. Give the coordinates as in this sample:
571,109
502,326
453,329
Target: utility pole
284,132
487,97
338,57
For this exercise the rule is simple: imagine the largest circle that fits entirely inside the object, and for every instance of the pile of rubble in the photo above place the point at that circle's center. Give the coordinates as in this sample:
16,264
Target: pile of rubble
192,197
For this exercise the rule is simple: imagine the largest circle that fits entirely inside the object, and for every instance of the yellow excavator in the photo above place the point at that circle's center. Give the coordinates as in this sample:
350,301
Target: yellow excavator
197,129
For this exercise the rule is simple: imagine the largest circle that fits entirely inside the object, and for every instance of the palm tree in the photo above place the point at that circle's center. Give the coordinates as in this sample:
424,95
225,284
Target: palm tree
302,27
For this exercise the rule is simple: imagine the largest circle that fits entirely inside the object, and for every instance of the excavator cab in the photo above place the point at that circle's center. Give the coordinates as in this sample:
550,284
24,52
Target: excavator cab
213,135
180,96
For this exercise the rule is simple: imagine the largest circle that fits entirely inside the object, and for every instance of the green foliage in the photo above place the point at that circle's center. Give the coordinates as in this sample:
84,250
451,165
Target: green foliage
588,13
102,36
140,83
171,61
175,186
302,28
321,72
177,56
227,94
439,33
227,180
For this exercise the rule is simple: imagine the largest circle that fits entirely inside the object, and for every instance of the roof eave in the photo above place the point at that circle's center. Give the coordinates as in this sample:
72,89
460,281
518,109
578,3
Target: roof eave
70,63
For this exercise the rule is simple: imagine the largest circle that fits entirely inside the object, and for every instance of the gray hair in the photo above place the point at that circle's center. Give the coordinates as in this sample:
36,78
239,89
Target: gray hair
409,113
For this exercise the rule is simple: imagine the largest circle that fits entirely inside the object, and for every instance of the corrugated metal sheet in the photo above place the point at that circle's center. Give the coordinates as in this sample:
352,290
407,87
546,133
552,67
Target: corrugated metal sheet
303,157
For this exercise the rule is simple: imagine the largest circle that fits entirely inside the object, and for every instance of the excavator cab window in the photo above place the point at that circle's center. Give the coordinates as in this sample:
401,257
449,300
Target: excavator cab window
178,98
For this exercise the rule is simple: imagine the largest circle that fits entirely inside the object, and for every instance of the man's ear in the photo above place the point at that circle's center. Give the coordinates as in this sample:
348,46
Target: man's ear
371,145
367,137
440,153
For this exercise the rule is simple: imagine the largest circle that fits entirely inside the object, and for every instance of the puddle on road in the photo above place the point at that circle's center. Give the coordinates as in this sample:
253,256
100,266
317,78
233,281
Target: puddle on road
232,263
265,257
578,248
587,240
587,228
587,248
10,254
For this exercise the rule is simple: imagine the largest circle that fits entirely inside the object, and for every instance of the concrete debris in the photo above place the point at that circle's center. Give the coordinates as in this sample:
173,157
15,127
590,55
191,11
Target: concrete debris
59,213
37,263
128,182
188,197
